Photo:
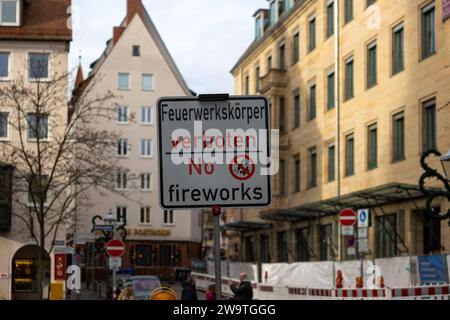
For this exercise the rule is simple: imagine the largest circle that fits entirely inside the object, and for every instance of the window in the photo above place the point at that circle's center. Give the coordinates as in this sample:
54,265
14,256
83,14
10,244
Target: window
269,63
247,85
122,181
349,83
145,215
264,248
296,48
146,148
249,249
37,126
168,217
297,111
282,246
399,137
429,134
370,2
9,12
3,125
124,81
148,82
257,79
386,236
297,175
428,31
330,91
258,28
282,57
38,66
312,34
331,163
146,115
122,147
372,147
312,168
303,244
37,189
371,65
349,155
273,13
330,18
146,181
4,65
136,51
122,217
143,256
282,114
326,236
312,102
348,11
282,177
398,59
122,115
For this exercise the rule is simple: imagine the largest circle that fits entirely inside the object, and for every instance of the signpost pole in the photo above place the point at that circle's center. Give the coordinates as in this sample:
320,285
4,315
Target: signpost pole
114,270
216,211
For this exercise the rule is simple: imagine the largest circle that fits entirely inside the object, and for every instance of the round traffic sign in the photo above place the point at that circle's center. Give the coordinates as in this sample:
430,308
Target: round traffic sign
242,168
347,217
115,248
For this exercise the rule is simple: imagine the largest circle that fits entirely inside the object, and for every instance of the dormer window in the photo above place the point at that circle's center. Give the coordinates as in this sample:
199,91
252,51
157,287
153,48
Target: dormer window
9,12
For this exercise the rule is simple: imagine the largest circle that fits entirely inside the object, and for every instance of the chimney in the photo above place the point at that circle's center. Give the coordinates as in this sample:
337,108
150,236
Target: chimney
133,7
117,32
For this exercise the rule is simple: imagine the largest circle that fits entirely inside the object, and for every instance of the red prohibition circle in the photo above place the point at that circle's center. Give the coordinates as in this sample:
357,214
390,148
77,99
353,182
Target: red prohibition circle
247,174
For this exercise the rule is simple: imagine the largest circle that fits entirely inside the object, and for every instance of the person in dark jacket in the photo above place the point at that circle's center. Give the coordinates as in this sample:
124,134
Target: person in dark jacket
244,291
189,292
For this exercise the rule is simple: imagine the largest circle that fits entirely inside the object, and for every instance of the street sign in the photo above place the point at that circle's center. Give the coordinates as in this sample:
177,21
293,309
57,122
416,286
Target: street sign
59,243
347,230
115,248
103,227
363,218
214,150
63,250
347,217
363,245
115,262
84,237
362,233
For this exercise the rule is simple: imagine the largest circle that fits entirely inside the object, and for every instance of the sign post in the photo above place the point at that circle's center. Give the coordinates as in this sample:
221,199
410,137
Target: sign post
214,152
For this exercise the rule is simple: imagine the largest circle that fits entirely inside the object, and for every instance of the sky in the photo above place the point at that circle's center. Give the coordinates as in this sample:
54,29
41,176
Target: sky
204,37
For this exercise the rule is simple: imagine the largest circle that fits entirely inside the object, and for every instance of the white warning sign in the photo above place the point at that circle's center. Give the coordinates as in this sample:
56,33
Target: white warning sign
214,151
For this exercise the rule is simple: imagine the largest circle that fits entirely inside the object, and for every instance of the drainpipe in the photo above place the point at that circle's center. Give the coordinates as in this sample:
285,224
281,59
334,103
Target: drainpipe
337,102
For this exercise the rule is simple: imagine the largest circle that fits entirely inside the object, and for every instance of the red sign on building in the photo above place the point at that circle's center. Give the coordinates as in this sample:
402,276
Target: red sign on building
60,267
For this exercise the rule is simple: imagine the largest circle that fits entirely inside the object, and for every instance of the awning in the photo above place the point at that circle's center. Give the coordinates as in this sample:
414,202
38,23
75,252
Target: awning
242,226
394,192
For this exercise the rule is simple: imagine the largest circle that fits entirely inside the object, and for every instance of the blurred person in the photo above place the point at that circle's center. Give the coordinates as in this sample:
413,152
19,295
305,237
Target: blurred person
211,293
189,292
244,291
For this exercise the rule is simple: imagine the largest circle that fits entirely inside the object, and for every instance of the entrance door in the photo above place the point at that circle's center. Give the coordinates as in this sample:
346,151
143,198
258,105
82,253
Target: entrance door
431,233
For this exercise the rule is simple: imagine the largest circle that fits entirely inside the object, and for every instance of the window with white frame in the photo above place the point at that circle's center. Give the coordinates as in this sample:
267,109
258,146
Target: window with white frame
3,125
148,82
168,217
146,148
145,215
9,12
146,181
146,115
122,114
122,147
37,126
122,215
38,65
124,81
122,181
4,65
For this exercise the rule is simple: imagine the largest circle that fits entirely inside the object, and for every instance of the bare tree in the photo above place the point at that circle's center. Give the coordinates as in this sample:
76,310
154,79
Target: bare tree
57,150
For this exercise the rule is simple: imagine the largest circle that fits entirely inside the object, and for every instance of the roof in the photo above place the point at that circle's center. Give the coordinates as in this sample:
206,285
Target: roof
246,226
160,44
42,20
268,32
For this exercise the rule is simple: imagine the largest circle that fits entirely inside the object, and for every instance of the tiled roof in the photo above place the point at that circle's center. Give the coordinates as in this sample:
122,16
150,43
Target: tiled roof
42,20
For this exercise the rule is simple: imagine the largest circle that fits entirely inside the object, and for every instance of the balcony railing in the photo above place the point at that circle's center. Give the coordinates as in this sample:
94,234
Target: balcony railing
275,78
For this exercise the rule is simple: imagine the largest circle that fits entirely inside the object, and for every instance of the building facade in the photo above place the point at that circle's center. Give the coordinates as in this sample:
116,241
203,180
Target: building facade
358,91
29,32
138,69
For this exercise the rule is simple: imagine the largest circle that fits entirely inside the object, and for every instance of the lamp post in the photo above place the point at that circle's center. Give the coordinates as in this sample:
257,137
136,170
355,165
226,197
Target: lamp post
111,220
430,173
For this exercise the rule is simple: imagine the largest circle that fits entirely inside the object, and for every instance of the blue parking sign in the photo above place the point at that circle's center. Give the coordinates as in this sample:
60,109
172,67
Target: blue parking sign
363,218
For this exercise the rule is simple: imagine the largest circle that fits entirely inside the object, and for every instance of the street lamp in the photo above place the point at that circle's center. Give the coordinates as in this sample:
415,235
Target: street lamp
110,219
430,173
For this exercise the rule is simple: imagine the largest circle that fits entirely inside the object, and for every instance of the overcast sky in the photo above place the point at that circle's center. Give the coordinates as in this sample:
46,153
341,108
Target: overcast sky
205,37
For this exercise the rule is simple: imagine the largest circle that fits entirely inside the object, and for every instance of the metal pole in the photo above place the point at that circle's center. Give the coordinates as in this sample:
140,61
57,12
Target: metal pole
114,267
216,211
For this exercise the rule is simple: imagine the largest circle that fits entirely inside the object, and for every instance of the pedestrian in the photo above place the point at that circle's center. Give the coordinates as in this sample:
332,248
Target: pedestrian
127,293
189,292
244,291
211,293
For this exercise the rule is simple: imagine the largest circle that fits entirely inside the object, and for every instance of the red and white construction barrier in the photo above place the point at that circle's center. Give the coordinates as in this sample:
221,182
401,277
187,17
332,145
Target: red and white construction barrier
439,292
